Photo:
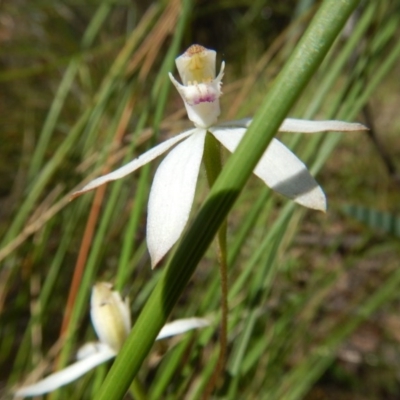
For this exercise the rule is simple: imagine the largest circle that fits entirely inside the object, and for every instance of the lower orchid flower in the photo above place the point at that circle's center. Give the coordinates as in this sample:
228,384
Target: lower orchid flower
111,320
173,188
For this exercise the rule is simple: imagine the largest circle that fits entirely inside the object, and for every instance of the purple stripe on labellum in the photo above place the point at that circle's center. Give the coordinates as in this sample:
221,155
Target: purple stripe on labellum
207,98
201,93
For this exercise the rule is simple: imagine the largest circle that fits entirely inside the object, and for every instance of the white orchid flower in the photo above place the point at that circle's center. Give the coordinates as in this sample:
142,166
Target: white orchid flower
174,183
111,320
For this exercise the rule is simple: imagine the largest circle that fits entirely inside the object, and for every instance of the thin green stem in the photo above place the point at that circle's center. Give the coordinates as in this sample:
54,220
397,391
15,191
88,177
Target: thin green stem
213,164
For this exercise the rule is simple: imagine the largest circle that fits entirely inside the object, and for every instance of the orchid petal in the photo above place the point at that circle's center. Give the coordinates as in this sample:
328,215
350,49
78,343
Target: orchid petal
181,326
87,349
303,125
134,164
172,194
280,169
110,315
306,126
69,374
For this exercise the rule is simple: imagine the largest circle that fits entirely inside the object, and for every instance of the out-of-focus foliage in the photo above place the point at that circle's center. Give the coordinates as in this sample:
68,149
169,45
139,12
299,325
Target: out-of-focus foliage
313,298
375,219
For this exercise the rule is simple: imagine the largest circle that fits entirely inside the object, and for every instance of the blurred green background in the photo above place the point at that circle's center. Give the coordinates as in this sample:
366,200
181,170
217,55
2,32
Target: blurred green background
315,305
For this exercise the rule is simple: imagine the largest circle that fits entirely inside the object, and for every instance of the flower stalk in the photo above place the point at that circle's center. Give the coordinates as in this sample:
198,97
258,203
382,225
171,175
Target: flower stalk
213,165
